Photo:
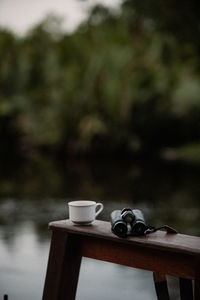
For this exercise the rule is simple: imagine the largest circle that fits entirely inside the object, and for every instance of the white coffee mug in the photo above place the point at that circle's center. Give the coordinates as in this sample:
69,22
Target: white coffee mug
83,212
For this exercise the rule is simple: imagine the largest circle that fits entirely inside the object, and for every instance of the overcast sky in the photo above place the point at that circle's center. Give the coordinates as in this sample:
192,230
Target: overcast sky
20,15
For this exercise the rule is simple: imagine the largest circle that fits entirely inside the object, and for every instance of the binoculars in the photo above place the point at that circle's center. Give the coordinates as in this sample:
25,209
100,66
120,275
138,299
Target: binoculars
128,222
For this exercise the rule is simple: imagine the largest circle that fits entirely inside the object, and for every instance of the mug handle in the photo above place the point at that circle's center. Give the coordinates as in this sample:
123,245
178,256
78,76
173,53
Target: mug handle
99,210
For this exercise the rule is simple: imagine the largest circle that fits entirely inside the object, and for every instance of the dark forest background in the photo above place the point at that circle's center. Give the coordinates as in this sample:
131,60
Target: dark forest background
125,82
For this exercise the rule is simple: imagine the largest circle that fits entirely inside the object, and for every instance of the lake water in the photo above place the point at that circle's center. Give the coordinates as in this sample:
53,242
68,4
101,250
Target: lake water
34,193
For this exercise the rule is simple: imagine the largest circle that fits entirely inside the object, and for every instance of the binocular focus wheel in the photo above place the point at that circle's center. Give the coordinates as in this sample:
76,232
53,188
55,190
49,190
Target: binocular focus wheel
126,209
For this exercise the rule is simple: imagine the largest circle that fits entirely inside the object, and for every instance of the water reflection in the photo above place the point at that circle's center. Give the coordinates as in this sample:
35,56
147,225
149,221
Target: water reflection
23,263
35,193
102,280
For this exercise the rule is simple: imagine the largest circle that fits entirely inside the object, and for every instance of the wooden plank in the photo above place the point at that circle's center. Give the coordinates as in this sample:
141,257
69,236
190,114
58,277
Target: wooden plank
139,257
178,243
71,268
197,285
63,267
186,289
161,288
55,265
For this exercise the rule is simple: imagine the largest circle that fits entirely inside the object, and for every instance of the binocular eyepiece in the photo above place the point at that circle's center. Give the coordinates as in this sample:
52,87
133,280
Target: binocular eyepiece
128,222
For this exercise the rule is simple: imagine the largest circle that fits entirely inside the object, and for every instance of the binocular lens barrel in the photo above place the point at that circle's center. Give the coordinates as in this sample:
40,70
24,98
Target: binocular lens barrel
139,226
118,225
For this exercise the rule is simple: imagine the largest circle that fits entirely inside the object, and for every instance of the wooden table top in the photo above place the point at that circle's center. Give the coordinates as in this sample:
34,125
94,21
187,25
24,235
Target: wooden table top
176,243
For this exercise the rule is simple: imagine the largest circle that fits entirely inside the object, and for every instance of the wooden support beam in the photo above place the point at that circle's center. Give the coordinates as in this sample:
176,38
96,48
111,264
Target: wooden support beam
160,282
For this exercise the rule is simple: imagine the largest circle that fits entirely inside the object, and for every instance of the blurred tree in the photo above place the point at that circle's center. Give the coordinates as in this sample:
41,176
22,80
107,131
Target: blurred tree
9,88
124,82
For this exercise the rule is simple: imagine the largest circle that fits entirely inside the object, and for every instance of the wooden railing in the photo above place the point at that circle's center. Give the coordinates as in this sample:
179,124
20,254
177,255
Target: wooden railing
160,252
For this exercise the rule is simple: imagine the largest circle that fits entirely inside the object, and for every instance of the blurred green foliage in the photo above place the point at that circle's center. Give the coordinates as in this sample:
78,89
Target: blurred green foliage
125,82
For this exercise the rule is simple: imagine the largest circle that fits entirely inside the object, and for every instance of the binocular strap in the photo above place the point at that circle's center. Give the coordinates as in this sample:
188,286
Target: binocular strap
151,229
